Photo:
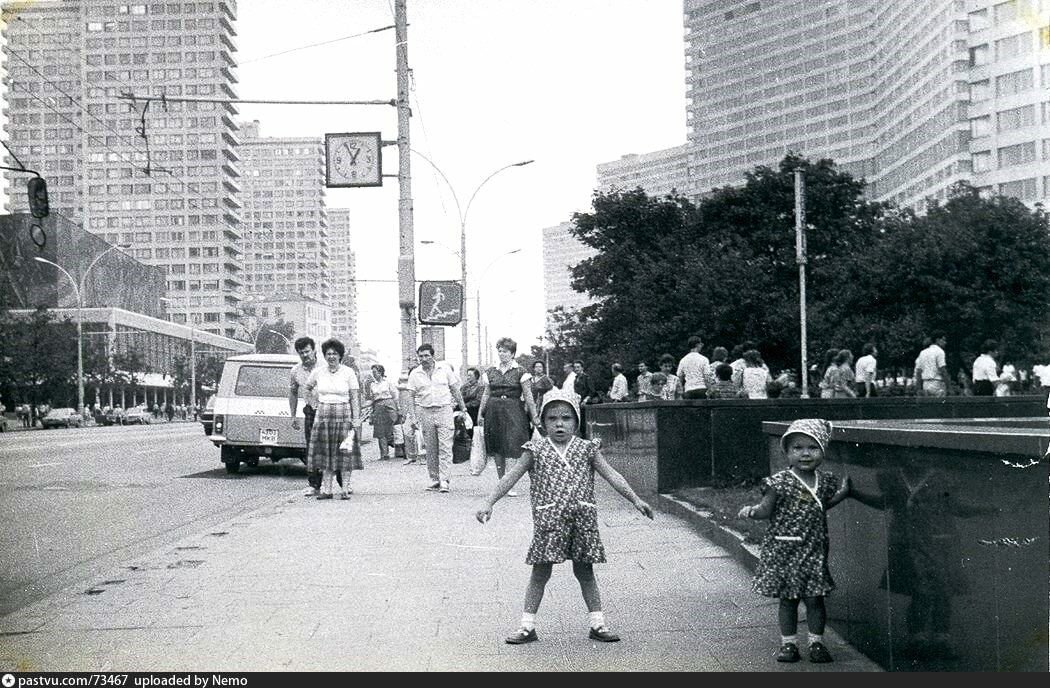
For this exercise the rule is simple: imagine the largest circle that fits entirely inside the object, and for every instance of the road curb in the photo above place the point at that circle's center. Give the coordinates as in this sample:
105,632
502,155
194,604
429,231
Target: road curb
703,522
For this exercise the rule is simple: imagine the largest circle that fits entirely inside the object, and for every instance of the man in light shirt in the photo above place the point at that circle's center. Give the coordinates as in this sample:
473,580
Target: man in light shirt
864,377
692,370
931,372
618,391
985,371
569,383
644,376
435,387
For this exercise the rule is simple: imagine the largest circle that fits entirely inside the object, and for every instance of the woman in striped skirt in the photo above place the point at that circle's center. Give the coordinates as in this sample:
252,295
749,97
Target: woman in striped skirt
339,412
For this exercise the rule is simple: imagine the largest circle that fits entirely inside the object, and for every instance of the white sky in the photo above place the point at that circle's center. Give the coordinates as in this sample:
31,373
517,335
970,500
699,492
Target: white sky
568,83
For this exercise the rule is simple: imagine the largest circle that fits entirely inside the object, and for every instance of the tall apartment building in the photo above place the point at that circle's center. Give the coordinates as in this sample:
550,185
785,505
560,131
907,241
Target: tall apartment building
285,217
658,173
158,174
344,276
562,251
898,92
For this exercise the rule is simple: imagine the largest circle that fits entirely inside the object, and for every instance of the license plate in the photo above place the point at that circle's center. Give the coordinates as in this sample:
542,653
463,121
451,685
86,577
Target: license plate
268,436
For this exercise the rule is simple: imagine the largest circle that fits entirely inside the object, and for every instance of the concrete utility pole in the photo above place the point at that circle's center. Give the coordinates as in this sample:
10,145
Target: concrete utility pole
800,258
406,262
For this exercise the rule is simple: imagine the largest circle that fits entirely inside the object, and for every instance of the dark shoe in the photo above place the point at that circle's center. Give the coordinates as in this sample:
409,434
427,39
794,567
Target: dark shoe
433,487
788,653
521,636
345,495
324,496
818,654
604,635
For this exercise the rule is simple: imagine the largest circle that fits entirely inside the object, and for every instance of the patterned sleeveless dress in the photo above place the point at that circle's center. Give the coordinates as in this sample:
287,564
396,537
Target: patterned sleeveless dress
794,562
564,513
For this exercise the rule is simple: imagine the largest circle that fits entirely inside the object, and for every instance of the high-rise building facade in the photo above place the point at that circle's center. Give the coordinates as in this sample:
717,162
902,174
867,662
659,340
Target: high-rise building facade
157,173
285,217
344,279
658,173
561,252
898,92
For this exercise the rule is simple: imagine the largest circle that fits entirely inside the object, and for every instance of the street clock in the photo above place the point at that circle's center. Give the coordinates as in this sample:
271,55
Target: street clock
353,159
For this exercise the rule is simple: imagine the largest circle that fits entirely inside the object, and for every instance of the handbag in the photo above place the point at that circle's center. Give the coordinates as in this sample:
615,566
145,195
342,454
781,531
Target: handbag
478,458
461,443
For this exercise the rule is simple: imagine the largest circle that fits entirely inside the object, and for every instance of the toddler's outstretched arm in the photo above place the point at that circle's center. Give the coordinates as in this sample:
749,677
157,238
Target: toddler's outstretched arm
844,489
613,477
763,509
509,479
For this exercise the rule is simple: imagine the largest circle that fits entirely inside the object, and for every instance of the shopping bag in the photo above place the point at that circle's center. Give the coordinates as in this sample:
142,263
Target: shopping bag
421,446
367,433
347,445
478,459
461,443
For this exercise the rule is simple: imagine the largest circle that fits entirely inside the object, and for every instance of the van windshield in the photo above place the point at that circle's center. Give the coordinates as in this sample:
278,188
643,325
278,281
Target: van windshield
262,381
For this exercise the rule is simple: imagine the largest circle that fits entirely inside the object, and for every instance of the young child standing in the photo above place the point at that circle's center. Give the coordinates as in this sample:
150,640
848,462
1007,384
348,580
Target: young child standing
794,561
561,469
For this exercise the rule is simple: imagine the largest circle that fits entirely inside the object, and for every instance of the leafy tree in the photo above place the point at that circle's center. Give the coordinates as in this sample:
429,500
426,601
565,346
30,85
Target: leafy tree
270,337
38,357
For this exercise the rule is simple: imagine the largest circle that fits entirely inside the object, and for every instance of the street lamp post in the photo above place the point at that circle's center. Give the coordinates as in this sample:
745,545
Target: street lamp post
463,235
477,295
78,291
255,341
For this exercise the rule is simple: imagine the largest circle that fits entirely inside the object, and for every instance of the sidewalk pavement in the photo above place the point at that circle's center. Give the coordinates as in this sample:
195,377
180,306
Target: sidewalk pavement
401,579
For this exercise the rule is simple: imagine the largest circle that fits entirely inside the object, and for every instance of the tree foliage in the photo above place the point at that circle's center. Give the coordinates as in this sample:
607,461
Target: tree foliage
270,336
726,268
38,358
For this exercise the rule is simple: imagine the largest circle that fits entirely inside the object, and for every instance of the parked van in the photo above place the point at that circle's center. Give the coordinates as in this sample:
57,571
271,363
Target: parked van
251,418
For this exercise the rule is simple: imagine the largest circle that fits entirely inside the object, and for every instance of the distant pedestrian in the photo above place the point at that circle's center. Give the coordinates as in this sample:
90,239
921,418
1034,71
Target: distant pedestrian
434,389
305,349
864,377
541,382
794,560
169,411
826,391
568,381
582,384
985,370
738,362
504,415
840,376
1007,380
931,373
672,388
692,370
642,382
471,390
718,356
619,390
561,470
723,387
657,383
385,410
23,415
755,377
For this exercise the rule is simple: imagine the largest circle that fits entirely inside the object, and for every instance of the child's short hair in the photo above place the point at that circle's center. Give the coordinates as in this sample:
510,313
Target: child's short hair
724,372
657,379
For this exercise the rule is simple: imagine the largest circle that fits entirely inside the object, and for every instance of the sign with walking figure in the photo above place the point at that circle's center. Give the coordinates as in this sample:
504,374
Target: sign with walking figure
440,303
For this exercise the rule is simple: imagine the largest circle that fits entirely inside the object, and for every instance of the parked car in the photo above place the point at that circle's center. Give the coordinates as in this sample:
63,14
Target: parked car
114,416
61,418
251,418
139,414
207,415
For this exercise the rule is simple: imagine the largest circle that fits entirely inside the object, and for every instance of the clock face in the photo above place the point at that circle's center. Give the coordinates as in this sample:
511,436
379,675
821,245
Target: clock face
354,159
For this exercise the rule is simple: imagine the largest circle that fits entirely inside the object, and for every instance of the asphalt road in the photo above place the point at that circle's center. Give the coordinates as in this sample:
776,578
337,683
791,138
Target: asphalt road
74,502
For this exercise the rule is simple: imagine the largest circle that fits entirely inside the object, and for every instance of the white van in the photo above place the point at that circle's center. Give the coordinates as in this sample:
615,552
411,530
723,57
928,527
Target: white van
252,420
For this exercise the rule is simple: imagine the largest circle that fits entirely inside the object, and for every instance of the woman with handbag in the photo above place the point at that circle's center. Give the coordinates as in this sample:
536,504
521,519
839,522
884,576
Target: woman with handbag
384,410
503,415
338,414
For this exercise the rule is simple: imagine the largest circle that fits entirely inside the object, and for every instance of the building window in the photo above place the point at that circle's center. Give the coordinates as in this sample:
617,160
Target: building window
1013,46
980,90
1024,189
980,126
1017,118
1014,82
979,55
1020,154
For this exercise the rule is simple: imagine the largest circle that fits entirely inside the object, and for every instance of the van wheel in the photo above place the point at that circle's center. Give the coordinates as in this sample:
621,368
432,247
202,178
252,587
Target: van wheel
252,462
230,458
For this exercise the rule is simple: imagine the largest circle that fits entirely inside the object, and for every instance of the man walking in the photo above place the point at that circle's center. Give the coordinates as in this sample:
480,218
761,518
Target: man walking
931,372
569,383
864,377
692,370
985,373
305,348
435,387
644,388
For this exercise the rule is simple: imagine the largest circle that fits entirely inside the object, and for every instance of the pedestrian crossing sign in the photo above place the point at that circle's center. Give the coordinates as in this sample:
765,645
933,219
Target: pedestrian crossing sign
440,303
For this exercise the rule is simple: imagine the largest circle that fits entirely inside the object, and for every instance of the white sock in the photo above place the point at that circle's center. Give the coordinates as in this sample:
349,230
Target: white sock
596,619
785,639
528,621
815,638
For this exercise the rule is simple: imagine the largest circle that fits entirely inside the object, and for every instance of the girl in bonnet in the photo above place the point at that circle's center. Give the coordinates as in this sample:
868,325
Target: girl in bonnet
561,470
794,562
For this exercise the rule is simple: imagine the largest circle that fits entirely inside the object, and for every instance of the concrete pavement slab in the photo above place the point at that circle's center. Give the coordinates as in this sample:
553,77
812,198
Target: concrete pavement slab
398,578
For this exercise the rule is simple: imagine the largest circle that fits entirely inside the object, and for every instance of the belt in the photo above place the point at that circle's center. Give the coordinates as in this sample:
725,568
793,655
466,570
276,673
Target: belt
503,396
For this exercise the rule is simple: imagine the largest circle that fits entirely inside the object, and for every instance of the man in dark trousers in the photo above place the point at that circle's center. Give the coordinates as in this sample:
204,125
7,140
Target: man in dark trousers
584,388
306,349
